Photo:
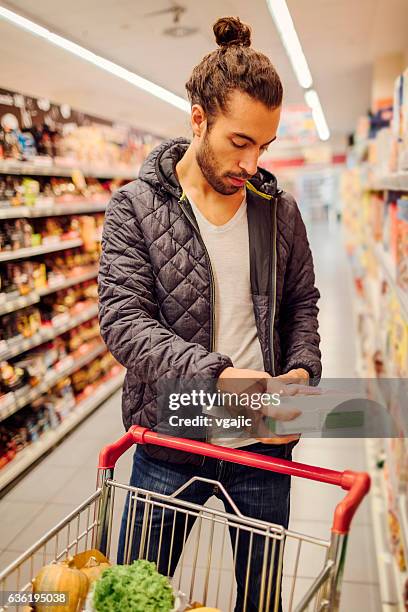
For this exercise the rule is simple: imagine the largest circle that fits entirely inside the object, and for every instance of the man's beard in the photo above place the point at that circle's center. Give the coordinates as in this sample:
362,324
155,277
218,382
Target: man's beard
208,166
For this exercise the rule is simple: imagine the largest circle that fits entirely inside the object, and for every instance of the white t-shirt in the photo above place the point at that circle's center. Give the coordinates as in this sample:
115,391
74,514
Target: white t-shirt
235,329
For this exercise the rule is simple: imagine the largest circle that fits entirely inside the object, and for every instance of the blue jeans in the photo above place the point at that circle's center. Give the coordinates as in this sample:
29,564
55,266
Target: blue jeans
257,493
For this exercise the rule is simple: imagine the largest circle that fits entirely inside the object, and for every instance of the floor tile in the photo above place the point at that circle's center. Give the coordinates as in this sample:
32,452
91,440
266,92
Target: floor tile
355,597
78,487
359,597
41,484
360,566
39,525
14,517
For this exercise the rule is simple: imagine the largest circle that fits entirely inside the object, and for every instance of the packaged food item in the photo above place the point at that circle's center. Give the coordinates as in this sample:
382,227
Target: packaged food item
12,376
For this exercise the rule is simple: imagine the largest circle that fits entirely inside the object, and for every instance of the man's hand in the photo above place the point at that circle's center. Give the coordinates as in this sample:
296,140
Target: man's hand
237,380
297,376
240,380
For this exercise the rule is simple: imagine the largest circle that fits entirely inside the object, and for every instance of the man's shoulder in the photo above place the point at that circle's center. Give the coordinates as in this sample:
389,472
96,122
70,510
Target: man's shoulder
134,190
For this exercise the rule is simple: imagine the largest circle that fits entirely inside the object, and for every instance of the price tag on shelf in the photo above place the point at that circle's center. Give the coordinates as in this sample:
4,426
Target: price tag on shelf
6,400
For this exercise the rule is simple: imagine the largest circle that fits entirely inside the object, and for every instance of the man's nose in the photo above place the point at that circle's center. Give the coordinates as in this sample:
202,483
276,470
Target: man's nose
249,163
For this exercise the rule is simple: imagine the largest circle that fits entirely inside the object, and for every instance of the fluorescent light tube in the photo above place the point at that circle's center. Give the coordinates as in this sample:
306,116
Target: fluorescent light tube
284,24
312,100
97,60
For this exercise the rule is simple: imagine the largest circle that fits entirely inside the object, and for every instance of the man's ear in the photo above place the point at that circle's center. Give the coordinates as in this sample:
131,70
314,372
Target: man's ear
198,120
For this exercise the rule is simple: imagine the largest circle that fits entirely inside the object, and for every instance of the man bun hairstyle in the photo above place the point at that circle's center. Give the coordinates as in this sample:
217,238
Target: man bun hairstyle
231,31
235,65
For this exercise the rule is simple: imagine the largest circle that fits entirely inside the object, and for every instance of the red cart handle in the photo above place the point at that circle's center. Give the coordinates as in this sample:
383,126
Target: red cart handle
356,483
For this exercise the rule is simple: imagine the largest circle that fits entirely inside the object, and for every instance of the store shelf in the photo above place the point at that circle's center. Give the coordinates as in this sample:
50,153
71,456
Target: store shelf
32,453
13,304
68,209
40,250
13,212
69,282
10,305
397,181
392,580
16,167
27,394
49,333
51,210
385,261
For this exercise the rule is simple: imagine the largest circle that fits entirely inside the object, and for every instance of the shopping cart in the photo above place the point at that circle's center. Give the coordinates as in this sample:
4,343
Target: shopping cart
201,573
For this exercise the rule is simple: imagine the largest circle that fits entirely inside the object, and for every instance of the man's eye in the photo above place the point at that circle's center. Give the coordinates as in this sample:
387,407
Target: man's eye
238,146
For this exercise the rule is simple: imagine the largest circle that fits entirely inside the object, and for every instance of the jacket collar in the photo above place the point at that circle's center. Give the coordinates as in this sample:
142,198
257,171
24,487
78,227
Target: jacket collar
159,171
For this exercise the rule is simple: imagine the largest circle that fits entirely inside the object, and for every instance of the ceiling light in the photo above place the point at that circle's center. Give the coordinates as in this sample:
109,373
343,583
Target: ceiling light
179,31
284,24
312,100
95,59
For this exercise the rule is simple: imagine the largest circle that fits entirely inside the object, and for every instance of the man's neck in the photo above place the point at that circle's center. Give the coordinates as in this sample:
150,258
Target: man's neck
216,207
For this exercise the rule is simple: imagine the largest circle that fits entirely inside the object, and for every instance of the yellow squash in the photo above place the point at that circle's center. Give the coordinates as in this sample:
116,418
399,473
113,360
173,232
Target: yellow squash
93,569
60,577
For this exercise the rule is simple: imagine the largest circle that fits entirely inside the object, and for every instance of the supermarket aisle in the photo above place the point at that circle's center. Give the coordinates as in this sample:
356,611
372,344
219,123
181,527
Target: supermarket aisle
67,476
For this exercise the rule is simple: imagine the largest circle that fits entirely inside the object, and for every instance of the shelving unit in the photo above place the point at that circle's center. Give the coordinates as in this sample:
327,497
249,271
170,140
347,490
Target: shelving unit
392,579
387,570
32,453
70,281
20,398
20,302
374,266
51,210
386,264
23,301
44,169
49,333
393,182
40,250
48,188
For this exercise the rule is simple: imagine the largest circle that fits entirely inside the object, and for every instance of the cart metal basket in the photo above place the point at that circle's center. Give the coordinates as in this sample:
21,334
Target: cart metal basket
202,573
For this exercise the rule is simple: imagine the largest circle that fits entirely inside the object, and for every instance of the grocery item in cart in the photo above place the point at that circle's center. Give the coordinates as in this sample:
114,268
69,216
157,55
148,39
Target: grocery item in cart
135,587
62,578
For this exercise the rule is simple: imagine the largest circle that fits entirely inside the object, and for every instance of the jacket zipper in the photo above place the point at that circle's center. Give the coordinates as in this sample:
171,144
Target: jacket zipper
273,289
212,287
212,283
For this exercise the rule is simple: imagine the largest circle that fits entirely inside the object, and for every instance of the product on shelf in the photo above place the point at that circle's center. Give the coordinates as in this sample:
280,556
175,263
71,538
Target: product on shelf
22,324
402,243
12,377
49,410
81,140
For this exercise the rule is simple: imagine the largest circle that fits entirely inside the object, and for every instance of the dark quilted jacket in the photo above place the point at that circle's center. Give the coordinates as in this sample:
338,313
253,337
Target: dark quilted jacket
156,293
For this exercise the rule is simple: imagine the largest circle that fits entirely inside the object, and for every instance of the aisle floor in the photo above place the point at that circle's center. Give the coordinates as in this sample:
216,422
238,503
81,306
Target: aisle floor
67,476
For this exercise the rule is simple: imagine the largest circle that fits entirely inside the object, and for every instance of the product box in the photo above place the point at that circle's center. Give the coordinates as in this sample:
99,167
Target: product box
402,243
397,107
403,157
390,236
377,219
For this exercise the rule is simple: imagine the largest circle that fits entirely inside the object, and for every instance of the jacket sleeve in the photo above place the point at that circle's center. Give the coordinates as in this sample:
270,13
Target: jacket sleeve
128,311
298,328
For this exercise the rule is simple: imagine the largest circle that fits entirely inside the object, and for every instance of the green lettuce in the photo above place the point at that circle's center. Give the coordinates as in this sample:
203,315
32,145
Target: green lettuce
134,588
